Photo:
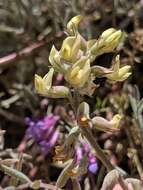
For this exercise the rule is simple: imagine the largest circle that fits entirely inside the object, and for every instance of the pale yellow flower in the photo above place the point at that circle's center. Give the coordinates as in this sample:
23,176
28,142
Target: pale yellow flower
70,48
44,86
107,126
73,24
55,60
45,83
79,73
119,74
116,120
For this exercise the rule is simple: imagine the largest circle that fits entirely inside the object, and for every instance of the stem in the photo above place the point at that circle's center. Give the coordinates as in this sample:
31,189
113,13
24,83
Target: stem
100,176
87,133
27,50
139,125
76,184
70,98
99,153
42,186
13,172
138,165
18,167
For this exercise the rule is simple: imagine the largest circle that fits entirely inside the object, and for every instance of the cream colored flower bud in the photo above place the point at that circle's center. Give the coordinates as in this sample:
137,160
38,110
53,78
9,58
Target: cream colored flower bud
73,24
58,92
70,48
108,32
55,60
119,74
79,73
107,42
115,36
107,126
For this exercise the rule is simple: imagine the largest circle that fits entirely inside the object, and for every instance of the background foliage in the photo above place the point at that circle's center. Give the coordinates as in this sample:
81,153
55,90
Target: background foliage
28,28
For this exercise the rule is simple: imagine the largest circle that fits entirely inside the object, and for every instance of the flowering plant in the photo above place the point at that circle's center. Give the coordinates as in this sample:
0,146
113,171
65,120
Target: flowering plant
43,132
75,60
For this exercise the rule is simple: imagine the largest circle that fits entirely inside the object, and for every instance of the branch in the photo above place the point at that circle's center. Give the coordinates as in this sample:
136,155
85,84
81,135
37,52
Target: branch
99,153
27,50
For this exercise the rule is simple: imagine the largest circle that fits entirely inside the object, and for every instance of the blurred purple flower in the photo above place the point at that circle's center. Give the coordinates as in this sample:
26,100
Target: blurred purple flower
82,149
43,131
47,145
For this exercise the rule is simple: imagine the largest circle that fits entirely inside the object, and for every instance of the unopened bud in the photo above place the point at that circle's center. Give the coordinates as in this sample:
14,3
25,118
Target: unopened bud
108,41
55,60
73,24
108,32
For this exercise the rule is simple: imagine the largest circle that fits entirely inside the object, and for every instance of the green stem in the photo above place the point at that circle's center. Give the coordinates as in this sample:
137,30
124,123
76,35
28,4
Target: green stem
99,153
87,133
139,125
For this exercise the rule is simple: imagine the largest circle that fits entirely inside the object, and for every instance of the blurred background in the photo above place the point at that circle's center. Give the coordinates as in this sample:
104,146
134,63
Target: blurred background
28,29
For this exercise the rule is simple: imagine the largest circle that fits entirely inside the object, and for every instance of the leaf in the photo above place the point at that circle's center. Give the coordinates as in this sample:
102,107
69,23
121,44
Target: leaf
137,93
140,106
112,179
63,178
8,29
18,167
13,172
133,103
36,184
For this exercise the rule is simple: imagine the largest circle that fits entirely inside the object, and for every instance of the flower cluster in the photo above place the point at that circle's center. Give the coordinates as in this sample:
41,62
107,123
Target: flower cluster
46,135
74,60
44,132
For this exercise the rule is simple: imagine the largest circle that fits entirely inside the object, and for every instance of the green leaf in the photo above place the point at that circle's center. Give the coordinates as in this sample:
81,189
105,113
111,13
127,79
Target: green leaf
13,172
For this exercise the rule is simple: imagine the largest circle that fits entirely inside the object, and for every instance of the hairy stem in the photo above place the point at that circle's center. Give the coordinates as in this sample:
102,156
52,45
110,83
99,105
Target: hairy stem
99,153
88,135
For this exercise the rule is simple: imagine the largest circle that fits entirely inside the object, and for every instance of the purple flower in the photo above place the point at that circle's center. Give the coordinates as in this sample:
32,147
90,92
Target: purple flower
84,148
47,145
79,154
43,131
93,168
